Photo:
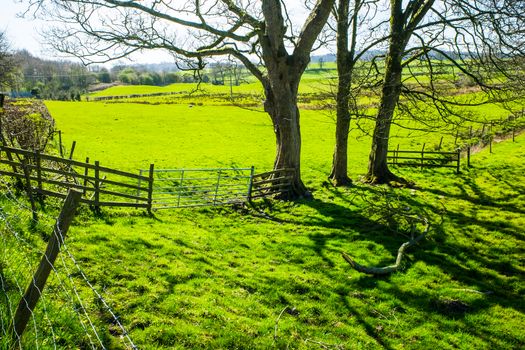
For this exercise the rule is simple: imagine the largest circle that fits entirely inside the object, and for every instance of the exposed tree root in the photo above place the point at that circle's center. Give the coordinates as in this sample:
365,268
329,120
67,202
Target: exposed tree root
389,179
400,253
340,181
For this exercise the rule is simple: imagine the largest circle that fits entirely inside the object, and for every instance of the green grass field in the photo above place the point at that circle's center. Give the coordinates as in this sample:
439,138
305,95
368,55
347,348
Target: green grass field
231,278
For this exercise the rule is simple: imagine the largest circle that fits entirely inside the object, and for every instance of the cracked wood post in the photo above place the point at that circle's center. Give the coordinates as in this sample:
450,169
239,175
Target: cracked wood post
34,290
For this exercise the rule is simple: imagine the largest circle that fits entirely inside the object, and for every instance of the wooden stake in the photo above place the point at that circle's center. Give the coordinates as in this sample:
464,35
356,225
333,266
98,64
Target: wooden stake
34,290
150,187
60,143
250,184
38,163
73,145
29,190
86,173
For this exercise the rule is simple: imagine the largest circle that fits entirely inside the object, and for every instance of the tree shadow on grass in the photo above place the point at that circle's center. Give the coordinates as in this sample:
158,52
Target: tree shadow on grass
453,251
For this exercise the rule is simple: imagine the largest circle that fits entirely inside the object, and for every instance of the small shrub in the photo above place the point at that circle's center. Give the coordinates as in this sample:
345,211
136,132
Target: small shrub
26,124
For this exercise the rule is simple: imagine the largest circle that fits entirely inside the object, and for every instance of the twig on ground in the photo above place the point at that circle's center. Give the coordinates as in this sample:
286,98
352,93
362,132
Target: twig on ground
400,253
276,328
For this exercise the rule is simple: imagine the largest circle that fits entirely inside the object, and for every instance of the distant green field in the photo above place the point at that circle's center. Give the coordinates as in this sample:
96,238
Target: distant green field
313,80
132,135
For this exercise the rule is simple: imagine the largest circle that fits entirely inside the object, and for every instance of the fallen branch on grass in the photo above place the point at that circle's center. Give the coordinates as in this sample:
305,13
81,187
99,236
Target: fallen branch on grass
400,253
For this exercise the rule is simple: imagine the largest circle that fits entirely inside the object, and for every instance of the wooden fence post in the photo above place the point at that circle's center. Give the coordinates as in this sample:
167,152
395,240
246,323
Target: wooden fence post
468,156
440,143
60,143
250,184
29,189
490,143
34,290
73,145
86,173
97,187
217,188
38,163
397,155
150,187
139,185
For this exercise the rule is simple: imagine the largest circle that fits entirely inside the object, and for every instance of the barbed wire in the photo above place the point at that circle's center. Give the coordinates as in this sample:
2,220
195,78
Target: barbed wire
61,301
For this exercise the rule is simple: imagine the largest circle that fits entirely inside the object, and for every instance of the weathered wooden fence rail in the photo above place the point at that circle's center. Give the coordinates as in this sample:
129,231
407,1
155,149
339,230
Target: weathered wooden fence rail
425,159
46,175
270,183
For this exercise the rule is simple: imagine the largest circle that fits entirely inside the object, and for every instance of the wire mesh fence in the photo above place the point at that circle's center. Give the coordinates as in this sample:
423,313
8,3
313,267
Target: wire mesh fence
179,188
69,312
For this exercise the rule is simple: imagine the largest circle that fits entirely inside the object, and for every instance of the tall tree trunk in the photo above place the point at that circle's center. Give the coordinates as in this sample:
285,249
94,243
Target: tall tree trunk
281,84
339,173
282,107
378,171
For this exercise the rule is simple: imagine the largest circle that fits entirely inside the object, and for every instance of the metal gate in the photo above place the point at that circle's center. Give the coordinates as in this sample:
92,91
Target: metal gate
179,188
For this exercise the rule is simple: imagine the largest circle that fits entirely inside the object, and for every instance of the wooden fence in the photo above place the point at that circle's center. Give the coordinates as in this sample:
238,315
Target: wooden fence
270,183
47,175
425,159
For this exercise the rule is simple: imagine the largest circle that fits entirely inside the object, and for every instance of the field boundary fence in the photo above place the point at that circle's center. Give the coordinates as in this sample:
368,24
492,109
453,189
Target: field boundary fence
425,159
181,188
466,141
272,182
42,175
46,175
44,291
122,97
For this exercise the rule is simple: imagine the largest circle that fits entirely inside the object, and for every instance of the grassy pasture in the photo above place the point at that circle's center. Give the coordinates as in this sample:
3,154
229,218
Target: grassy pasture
229,278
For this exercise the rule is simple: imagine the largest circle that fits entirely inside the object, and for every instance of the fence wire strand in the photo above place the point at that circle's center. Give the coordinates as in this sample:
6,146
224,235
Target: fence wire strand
61,300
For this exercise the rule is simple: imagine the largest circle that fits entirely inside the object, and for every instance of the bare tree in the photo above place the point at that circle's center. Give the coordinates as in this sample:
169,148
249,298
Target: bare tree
99,30
417,57
349,23
7,63
483,40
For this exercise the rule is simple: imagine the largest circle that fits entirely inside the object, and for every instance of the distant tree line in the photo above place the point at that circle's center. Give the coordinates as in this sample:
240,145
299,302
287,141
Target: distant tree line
25,75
